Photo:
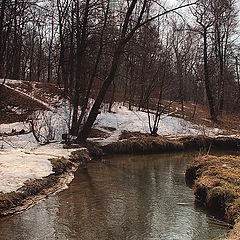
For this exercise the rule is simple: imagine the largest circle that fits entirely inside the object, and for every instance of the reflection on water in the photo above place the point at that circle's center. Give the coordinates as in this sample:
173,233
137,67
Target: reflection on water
126,197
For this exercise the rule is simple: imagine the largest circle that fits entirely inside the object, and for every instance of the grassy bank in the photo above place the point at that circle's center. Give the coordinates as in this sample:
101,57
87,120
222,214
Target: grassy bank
217,185
143,145
206,143
151,145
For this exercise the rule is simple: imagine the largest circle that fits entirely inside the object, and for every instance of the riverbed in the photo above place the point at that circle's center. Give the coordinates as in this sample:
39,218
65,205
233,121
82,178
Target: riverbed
125,197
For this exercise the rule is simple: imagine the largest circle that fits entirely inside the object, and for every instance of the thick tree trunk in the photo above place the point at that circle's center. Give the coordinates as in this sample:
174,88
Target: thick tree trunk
99,54
80,85
2,12
83,134
207,80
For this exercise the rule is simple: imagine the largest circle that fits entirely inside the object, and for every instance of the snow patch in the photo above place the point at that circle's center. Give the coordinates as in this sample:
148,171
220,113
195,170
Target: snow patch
125,119
16,167
20,165
7,128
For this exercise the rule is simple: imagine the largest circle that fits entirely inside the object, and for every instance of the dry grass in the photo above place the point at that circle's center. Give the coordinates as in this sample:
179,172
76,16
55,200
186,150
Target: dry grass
235,233
94,150
217,183
137,143
96,133
60,165
205,143
142,145
217,186
110,129
127,135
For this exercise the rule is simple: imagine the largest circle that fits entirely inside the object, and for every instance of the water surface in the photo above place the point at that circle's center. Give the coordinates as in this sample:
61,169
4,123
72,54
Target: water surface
126,197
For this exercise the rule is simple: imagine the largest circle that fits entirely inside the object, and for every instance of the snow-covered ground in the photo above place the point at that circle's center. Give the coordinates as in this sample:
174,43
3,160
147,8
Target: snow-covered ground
23,158
124,119
18,166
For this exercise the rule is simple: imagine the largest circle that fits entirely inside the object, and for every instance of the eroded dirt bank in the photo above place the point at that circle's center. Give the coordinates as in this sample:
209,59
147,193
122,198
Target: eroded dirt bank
35,190
217,186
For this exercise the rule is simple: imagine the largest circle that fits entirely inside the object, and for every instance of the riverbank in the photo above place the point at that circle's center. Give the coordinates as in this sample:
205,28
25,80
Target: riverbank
63,169
217,186
35,190
218,181
152,145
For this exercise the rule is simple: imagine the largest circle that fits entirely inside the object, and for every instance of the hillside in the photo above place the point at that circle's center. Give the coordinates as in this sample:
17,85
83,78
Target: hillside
42,105
20,99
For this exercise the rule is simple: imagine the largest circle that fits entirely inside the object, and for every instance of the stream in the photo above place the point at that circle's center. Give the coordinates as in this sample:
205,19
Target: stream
125,197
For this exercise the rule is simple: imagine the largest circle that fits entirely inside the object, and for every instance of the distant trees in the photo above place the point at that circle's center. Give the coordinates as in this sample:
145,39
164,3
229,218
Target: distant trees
184,51
23,25
216,20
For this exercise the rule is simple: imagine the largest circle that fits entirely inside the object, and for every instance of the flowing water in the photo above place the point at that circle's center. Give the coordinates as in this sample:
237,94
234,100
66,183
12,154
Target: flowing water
126,197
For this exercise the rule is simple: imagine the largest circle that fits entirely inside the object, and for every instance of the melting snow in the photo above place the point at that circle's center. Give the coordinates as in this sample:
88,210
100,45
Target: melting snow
22,158
124,119
22,164
16,167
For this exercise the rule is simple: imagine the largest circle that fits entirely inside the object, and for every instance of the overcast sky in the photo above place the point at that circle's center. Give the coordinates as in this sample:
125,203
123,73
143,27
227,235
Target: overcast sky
175,3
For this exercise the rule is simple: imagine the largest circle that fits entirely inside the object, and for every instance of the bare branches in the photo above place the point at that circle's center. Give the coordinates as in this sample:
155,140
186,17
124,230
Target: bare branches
43,127
166,12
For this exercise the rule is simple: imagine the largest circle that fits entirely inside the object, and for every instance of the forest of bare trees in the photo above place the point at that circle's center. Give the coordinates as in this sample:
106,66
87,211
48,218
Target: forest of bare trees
140,52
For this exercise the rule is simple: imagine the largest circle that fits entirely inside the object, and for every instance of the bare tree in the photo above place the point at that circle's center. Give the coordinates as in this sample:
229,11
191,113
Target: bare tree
129,27
205,20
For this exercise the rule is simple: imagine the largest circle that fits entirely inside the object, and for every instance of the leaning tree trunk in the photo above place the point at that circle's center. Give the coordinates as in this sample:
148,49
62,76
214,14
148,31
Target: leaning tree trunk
124,39
83,134
98,58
